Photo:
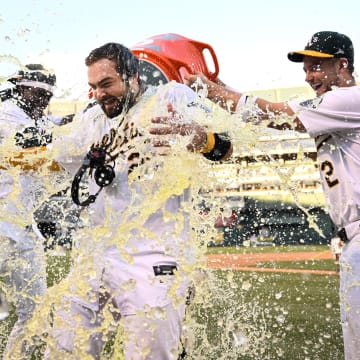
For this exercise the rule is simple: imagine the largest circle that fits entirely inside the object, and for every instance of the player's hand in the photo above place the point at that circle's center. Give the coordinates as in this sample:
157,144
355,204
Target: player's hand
174,124
198,80
195,80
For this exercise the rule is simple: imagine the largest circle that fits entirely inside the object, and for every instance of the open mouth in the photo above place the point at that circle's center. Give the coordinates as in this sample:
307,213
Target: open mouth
109,101
111,106
316,87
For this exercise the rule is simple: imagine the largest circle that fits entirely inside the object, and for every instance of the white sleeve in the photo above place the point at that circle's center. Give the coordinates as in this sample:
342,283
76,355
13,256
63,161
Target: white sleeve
72,141
6,184
55,119
337,110
177,94
12,118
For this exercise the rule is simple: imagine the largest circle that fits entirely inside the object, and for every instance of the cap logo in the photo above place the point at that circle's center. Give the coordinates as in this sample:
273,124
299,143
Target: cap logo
326,44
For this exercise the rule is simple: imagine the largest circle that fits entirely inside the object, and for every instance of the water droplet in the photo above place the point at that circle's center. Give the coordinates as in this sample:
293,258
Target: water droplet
246,285
149,173
239,338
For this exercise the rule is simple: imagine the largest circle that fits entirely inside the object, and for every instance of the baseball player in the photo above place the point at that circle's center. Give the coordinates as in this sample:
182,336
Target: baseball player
333,120
131,268
24,129
336,245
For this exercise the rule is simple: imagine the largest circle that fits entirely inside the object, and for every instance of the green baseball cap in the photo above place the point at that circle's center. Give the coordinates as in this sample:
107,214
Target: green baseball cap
326,45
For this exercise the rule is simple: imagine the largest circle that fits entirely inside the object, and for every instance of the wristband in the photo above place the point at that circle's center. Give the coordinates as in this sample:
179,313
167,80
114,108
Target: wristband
244,98
221,148
210,143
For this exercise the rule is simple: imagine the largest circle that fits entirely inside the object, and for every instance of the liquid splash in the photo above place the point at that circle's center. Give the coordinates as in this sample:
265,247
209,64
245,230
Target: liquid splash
239,327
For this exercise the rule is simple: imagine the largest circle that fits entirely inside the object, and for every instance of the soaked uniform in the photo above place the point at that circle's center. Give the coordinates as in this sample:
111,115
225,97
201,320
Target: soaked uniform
22,265
333,120
137,247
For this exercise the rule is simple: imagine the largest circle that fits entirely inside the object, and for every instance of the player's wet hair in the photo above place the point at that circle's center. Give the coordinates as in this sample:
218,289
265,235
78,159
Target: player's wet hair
127,64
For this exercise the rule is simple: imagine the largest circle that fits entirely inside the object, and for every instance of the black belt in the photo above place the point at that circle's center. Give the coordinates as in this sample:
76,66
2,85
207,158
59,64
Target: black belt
342,235
164,270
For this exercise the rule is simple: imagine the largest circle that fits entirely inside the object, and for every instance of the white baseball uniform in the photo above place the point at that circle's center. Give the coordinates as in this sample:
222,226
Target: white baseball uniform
22,263
138,244
333,120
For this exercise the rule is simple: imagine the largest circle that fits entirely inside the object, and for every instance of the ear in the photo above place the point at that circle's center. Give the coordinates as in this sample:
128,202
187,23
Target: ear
133,81
133,84
344,63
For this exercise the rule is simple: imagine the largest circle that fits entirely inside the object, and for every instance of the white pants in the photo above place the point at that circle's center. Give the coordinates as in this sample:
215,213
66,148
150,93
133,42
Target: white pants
23,270
350,296
125,293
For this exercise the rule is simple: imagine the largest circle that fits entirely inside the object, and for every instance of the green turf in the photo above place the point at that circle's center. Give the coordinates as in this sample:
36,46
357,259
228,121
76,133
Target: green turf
57,268
275,315
265,249
280,316
326,265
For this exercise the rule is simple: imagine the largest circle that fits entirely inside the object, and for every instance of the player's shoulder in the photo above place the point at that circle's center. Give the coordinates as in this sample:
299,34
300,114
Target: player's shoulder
176,92
347,90
10,112
344,93
176,88
343,99
9,106
89,112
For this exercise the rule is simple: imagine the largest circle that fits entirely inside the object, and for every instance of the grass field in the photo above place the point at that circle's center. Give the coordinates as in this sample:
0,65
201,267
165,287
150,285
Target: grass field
256,315
252,315
265,249
270,316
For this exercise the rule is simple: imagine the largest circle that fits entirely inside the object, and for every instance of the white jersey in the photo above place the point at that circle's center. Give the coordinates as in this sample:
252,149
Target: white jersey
12,118
333,120
139,216
28,184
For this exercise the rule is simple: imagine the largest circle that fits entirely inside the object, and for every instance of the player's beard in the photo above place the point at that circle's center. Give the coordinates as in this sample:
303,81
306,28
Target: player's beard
113,106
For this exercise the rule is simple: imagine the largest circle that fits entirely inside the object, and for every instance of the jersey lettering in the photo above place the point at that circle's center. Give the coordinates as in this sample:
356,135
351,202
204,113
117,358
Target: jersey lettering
312,103
328,168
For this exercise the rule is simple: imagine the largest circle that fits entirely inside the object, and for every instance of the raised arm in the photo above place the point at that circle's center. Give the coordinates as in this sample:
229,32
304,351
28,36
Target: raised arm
231,100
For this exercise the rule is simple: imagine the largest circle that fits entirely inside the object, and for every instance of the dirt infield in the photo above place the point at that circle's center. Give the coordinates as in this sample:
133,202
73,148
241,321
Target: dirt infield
250,262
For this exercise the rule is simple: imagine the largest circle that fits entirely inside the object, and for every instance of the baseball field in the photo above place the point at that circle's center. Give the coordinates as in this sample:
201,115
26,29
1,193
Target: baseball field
258,303
271,303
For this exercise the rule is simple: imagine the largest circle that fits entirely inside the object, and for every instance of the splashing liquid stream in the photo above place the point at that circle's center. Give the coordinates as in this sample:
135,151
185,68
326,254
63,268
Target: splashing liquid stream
243,325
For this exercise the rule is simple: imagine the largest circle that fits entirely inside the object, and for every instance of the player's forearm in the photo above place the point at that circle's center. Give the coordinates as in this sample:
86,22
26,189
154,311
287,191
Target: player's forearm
281,116
223,96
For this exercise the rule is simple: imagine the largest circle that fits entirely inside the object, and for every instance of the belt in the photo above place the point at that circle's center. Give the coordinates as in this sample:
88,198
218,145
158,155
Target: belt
349,231
342,235
164,270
